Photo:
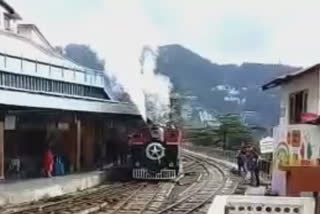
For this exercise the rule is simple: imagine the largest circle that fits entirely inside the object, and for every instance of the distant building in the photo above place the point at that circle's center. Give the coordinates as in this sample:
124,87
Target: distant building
208,120
187,111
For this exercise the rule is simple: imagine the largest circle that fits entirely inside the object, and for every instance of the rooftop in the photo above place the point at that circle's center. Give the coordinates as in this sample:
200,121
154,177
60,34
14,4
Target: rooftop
20,46
13,14
290,76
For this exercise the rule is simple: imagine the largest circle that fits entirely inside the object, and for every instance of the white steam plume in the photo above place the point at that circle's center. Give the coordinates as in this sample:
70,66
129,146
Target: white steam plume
156,87
150,91
118,30
129,41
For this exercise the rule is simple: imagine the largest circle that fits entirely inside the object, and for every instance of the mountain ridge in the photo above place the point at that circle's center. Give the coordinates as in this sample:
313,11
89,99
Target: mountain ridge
224,88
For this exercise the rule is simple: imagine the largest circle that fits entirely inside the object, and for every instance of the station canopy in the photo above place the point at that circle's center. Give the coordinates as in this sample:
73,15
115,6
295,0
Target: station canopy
20,46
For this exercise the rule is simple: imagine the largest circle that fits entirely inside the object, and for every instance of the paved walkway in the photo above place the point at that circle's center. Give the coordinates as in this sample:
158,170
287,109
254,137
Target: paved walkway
35,189
261,190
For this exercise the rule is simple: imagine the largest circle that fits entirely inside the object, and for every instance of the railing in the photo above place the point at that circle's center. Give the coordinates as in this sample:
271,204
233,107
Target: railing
31,67
14,81
227,155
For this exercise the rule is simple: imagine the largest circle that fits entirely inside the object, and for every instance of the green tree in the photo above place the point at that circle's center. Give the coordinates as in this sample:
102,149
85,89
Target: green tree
232,131
229,134
203,136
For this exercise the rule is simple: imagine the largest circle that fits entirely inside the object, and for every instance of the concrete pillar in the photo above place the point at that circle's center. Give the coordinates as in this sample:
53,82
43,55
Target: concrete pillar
1,150
88,142
72,145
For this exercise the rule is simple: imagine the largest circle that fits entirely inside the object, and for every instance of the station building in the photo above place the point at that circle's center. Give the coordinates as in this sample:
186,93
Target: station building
297,137
49,100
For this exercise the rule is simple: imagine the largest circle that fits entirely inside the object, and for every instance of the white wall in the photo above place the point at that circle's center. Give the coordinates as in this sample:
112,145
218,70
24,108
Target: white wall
306,149
30,33
309,81
26,32
14,26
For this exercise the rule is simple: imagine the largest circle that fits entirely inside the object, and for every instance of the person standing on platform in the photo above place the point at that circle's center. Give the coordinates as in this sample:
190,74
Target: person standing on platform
253,165
241,161
48,161
58,165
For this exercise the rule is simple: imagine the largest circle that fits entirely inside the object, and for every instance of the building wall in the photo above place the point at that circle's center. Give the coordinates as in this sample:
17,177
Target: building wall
26,32
31,33
308,81
296,144
300,139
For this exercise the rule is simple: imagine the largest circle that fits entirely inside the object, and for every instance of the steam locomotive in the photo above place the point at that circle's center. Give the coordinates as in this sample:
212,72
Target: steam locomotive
155,153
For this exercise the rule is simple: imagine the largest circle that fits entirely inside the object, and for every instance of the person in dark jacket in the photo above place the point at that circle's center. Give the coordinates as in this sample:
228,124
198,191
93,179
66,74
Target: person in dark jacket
253,165
241,160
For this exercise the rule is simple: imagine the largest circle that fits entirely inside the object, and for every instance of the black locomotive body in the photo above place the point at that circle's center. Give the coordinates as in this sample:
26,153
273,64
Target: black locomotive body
156,153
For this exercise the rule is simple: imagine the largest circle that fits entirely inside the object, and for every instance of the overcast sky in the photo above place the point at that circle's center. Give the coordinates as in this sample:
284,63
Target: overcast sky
223,31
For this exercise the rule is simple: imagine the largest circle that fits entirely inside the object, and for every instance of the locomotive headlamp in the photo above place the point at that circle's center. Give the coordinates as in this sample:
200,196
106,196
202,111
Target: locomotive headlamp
155,151
137,164
171,164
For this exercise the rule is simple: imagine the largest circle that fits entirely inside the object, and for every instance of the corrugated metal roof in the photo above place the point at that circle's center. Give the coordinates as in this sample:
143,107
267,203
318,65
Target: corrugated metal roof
287,77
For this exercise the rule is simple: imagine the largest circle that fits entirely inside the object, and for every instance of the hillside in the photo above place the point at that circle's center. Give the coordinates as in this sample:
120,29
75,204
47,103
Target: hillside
224,88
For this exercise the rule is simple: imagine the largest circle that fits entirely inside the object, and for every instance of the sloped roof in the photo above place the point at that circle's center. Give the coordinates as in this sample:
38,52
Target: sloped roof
36,30
20,46
288,77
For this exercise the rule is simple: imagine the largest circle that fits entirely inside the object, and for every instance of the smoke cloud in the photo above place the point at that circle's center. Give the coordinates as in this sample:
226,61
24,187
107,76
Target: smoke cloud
156,87
130,46
148,90
118,30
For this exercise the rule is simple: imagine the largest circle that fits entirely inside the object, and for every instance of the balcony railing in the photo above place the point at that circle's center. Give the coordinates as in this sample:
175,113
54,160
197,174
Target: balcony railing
33,67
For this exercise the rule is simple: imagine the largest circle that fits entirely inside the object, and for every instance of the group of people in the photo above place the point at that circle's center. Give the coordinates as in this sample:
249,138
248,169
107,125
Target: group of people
248,162
53,164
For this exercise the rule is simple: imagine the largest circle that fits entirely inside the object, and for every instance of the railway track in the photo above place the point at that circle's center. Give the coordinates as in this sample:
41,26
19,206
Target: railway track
83,202
137,203
211,181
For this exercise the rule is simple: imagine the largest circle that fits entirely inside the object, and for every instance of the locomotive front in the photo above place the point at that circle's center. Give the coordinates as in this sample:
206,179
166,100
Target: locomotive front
155,153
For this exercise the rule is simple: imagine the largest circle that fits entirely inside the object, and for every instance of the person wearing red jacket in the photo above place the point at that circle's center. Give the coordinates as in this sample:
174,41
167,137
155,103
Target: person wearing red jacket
48,161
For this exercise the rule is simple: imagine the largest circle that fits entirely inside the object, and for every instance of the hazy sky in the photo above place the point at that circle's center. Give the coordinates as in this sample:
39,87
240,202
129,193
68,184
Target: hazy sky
224,31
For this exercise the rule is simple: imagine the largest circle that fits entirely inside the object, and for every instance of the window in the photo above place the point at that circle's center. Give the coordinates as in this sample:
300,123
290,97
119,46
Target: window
6,22
298,104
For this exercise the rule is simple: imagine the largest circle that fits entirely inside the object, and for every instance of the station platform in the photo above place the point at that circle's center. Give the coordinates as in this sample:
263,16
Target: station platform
35,189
